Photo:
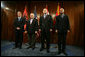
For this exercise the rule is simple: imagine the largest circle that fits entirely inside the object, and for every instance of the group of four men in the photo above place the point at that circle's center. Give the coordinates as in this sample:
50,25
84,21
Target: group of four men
45,27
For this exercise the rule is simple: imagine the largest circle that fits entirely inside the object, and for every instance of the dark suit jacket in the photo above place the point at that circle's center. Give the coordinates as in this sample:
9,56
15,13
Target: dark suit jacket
46,23
19,23
31,28
62,24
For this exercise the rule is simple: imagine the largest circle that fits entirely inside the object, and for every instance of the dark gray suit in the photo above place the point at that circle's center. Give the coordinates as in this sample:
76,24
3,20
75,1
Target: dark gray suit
45,25
19,33
62,25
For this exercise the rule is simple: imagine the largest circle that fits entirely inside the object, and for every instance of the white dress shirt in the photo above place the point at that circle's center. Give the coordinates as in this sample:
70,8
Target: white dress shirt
19,18
45,16
31,21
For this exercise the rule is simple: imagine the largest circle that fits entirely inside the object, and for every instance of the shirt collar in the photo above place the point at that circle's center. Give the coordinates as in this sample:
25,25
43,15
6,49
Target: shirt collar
31,19
45,14
62,14
19,17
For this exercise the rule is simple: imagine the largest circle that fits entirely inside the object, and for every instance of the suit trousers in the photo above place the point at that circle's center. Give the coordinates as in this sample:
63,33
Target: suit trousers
31,39
19,38
62,41
45,39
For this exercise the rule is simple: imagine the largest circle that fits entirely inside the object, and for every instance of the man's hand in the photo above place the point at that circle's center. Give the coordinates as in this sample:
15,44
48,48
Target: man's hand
68,30
39,29
50,30
35,32
25,32
56,31
18,28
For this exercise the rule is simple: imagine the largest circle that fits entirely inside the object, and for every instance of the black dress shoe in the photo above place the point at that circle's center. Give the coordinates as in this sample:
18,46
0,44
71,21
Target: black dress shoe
14,47
41,49
33,48
64,53
28,47
48,51
59,52
20,48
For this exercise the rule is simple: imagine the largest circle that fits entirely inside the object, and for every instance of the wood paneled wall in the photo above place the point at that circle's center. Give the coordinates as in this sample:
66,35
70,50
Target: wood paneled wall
75,11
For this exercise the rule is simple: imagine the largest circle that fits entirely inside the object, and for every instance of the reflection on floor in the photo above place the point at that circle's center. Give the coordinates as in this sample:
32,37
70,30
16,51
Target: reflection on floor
6,50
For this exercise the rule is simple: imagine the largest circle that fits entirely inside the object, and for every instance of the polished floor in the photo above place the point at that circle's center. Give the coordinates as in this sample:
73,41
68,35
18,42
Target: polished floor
6,50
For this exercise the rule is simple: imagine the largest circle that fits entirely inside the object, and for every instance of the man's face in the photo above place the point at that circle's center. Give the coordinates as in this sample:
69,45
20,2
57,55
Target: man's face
44,11
19,14
61,10
32,15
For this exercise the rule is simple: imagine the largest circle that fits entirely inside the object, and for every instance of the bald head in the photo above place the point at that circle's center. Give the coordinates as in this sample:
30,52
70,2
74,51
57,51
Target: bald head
61,10
32,15
44,10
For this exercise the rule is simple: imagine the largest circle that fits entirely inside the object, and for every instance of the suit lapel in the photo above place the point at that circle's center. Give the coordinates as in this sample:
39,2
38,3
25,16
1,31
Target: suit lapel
29,21
63,16
60,17
20,19
43,17
46,17
32,21
17,19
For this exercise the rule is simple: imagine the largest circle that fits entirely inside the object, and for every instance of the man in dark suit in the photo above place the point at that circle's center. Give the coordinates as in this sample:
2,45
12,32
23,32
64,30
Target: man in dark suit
31,28
46,24
19,29
62,26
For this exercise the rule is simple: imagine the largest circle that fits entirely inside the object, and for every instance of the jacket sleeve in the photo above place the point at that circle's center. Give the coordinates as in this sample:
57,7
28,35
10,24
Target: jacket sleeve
40,23
36,25
56,24
51,23
27,24
68,25
23,23
14,24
